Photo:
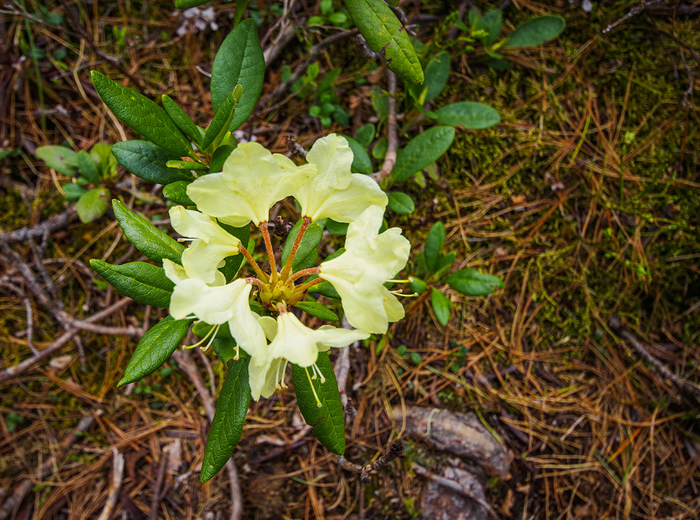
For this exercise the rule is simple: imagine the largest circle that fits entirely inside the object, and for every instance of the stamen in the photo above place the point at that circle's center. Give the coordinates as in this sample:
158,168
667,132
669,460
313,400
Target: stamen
399,293
313,389
186,240
283,371
214,329
238,353
211,340
318,371
399,281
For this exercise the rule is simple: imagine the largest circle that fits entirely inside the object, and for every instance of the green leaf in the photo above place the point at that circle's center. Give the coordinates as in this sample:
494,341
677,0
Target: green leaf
441,306
178,164
380,148
361,162
143,282
421,151
202,329
219,157
474,283
148,161
222,120
141,114
401,203
182,120
467,114
317,310
186,4
536,31
365,135
227,426
177,192
87,167
417,285
147,238
73,191
324,288
155,348
384,33
239,61
436,75
307,254
225,348
62,159
327,419
433,246
93,204
444,264
490,23
336,228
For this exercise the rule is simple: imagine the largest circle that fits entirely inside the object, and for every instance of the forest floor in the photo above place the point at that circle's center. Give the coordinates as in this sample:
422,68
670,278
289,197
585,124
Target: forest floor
585,199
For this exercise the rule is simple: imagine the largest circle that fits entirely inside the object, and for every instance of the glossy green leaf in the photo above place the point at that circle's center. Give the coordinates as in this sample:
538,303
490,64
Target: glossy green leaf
141,114
225,348
401,203
92,204
140,281
536,31
317,310
182,120
307,254
147,238
155,348
219,157
327,419
433,247
62,159
326,289
444,264
361,162
474,283
87,167
384,33
441,306
421,151
227,426
436,75
177,192
148,161
222,120
239,60
468,114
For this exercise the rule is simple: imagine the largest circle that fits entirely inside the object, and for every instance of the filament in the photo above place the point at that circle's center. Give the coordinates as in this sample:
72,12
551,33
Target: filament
313,389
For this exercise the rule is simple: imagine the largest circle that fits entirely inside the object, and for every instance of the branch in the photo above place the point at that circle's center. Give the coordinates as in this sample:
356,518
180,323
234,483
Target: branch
396,450
49,226
616,326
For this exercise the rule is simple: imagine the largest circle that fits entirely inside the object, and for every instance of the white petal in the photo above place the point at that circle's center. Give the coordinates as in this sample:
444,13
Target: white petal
243,322
209,304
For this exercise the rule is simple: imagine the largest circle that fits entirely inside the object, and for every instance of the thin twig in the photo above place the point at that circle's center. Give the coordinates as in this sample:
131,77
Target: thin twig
616,326
49,226
117,474
392,135
396,450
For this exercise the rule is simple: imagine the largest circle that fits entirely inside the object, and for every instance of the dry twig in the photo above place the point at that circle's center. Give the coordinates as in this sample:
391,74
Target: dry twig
392,136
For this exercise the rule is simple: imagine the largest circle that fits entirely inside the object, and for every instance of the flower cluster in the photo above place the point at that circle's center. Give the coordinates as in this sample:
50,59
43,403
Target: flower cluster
252,181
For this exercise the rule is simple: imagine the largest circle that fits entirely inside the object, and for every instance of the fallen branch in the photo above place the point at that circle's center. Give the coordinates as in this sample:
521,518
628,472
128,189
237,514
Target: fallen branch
115,487
19,368
396,450
683,384
49,226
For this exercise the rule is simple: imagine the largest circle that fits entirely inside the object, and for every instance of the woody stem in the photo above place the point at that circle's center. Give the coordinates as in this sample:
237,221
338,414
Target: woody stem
295,247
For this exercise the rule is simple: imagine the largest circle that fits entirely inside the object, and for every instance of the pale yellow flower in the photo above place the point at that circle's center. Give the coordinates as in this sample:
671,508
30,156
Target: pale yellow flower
359,274
334,191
